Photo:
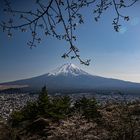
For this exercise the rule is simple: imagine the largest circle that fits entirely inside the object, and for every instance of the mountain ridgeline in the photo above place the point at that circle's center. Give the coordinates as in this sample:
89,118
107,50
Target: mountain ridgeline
69,77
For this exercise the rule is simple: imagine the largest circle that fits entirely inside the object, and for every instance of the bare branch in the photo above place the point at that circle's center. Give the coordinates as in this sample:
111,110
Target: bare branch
53,14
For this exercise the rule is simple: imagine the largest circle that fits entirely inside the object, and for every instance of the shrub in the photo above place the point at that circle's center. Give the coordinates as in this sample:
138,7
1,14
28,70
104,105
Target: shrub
30,111
87,107
16,118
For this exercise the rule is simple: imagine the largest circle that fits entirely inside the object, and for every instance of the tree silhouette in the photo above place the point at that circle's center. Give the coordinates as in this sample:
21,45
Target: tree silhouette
51,15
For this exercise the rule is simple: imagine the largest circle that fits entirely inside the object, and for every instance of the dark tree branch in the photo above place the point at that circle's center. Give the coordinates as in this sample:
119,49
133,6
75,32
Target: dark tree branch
53,14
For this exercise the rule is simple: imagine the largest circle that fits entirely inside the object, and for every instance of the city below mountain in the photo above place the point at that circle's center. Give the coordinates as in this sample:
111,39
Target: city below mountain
69,77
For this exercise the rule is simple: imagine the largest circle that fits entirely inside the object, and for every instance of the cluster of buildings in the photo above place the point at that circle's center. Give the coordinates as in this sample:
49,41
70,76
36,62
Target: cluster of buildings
13,102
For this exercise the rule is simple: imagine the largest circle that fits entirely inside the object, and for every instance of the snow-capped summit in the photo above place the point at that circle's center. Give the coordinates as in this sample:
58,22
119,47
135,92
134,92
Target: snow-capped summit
67,69
69,78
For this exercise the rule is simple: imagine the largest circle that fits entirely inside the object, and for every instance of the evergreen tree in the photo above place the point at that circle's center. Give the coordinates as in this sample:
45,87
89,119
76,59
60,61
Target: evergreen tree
87,107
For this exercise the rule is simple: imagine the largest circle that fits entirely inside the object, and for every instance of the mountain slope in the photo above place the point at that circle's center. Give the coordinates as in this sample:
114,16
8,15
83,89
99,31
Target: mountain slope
67,69
70,77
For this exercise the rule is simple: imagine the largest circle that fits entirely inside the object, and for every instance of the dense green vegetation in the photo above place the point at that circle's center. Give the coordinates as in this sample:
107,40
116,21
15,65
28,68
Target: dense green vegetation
59,117
55,108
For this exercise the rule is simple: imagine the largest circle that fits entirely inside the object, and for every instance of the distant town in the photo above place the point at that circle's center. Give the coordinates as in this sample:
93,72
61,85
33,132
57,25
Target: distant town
15,101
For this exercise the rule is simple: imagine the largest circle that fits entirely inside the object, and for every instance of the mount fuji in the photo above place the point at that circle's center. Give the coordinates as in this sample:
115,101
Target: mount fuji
67,69
69,77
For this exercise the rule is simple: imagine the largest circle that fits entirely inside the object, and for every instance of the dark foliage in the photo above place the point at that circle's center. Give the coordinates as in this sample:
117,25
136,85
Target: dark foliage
57,117
88,108
55,108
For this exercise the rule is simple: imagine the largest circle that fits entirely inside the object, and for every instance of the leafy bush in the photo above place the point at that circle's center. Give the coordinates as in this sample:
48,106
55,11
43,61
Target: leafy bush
16,118
30,111
87,107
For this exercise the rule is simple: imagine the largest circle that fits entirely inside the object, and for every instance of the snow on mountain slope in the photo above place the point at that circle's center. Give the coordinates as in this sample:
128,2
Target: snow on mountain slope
67,69
70,77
